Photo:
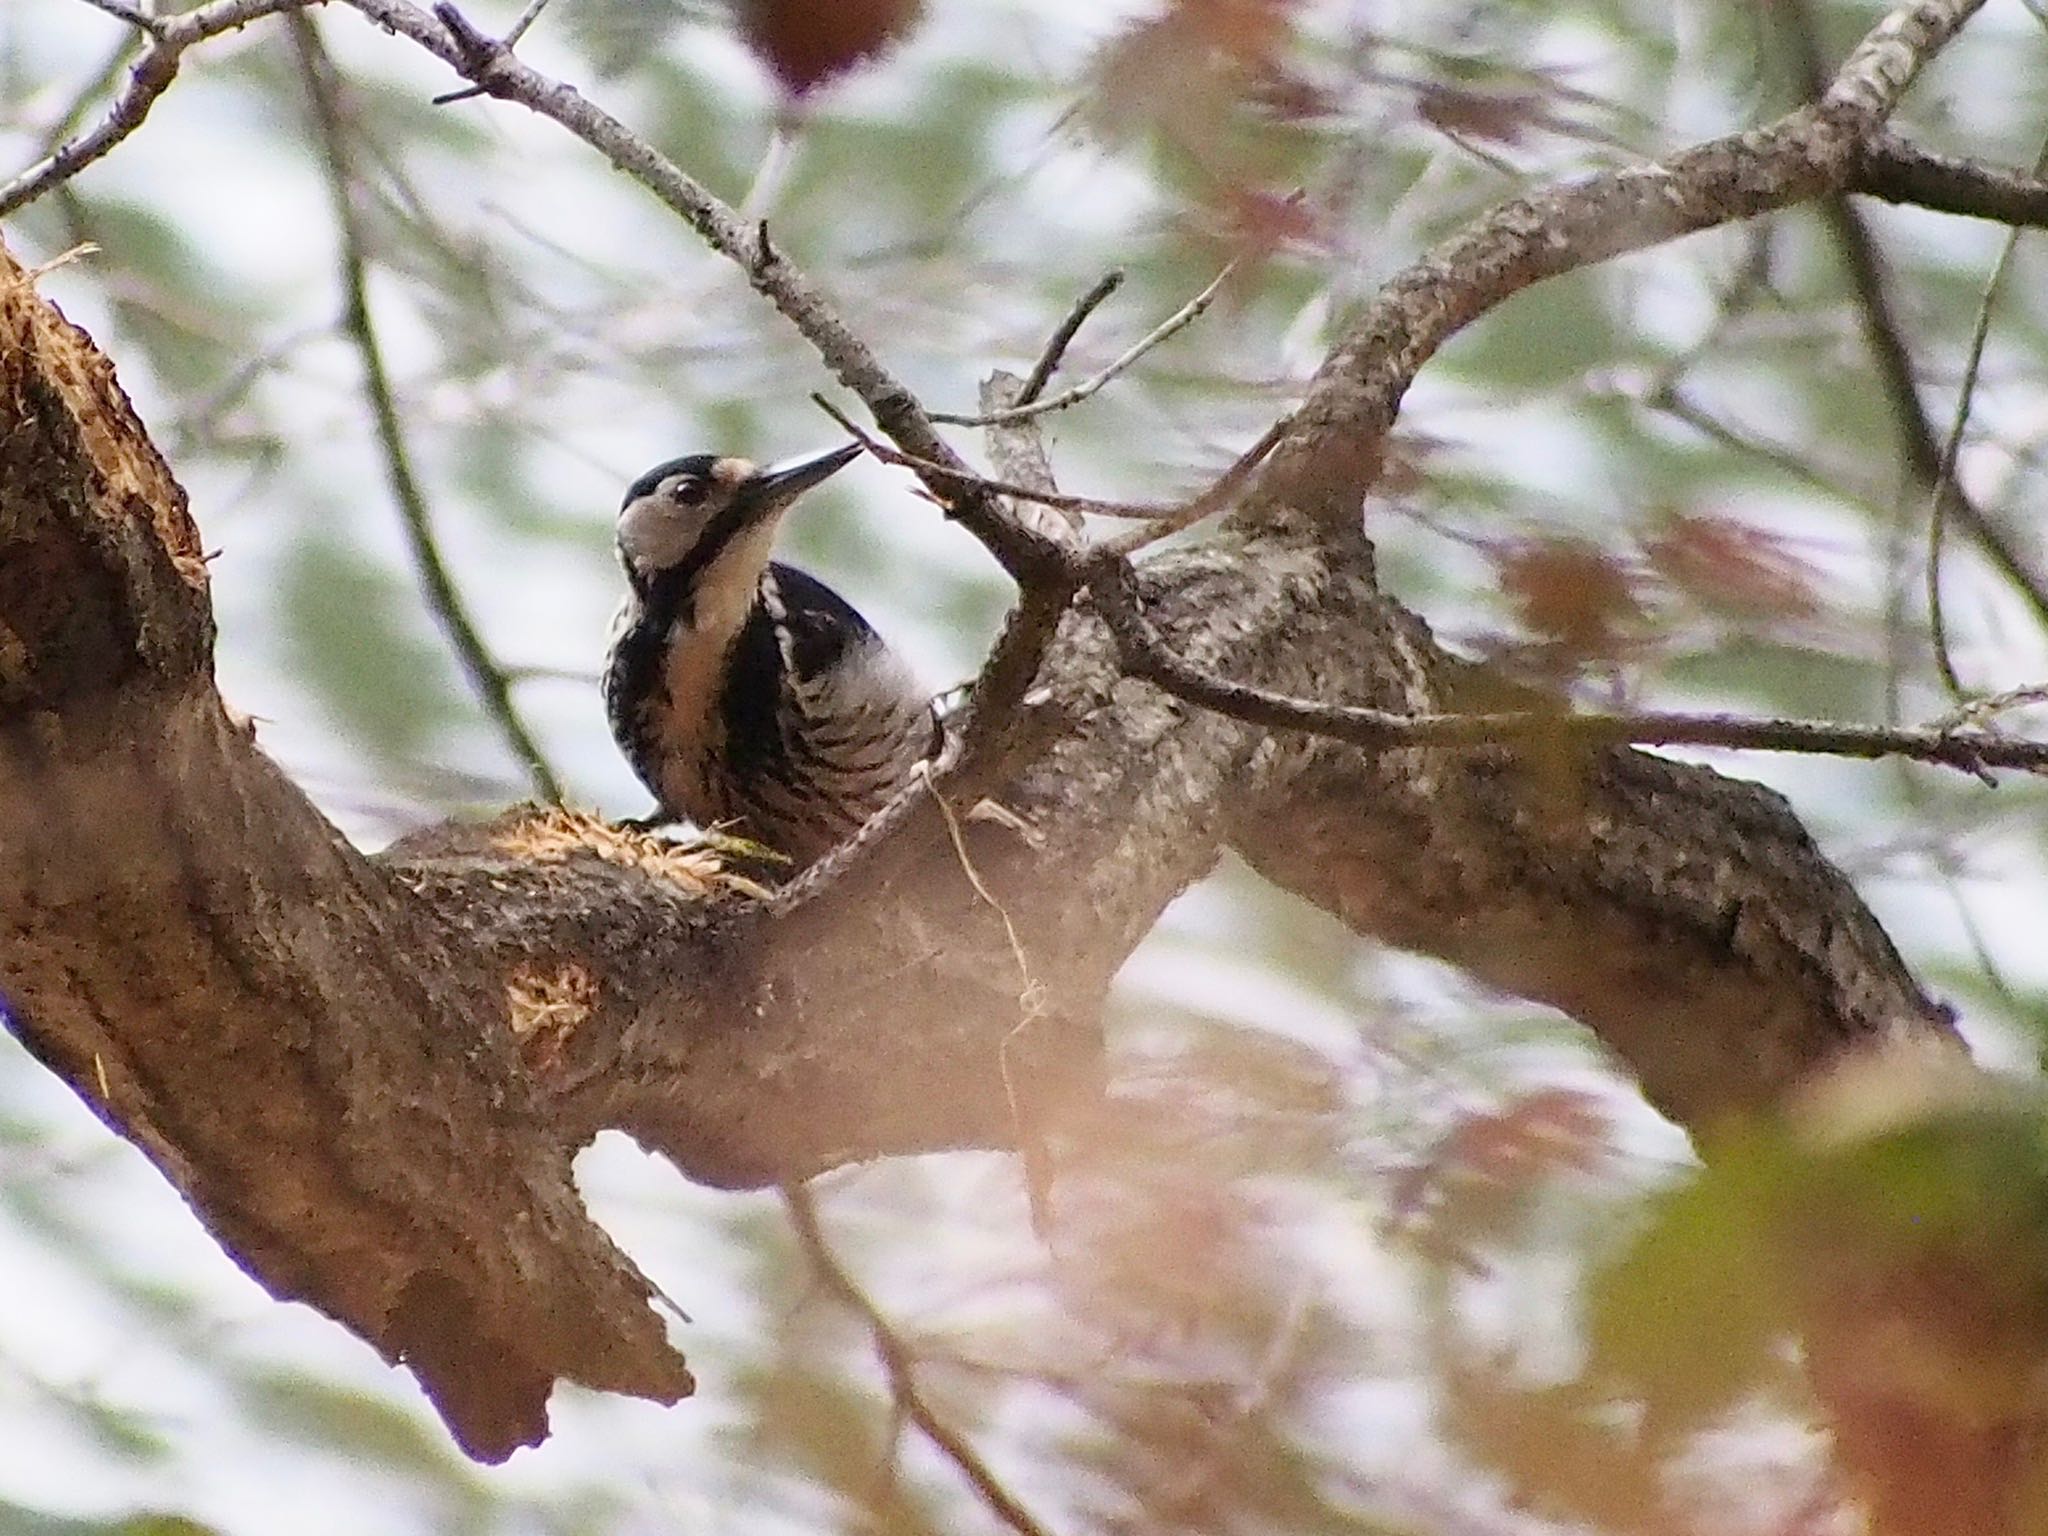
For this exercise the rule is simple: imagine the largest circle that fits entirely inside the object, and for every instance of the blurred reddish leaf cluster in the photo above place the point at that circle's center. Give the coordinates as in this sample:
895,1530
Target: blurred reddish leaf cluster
1160,1219
1182,72
1510,115
1582,605
1733,568
1577,600
1252,33
1255,225
805,44
1197,76
1497,1155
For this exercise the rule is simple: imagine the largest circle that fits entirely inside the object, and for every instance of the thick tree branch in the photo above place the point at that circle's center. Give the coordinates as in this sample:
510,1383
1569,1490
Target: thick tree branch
236,990
1687,918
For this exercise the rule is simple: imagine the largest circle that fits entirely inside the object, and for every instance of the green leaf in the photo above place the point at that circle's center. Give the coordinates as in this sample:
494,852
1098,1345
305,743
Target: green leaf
1689,1317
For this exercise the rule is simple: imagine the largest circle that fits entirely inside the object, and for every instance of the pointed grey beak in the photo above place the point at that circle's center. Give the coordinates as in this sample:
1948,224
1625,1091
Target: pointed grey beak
780,484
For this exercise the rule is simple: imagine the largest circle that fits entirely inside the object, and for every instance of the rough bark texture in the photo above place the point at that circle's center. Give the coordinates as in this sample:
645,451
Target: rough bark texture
367,1075
309,1055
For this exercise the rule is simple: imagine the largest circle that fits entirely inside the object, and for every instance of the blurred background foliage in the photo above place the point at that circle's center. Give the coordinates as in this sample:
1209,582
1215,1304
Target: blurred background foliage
1374,1250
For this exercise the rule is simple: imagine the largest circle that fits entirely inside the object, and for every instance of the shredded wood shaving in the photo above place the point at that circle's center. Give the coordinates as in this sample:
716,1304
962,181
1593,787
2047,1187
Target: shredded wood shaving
547,1006
551,835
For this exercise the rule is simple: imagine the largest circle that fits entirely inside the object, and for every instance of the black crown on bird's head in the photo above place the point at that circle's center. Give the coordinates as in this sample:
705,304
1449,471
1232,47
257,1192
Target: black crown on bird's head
696,468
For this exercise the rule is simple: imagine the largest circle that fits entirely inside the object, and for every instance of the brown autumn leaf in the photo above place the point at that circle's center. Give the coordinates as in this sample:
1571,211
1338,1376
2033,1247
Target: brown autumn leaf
1255,225
1733,568
1288,96
1575,597
1182,72
1151,1233
804,43
1252,31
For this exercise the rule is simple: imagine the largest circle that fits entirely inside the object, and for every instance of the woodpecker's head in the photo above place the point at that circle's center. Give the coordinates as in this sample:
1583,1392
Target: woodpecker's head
697,531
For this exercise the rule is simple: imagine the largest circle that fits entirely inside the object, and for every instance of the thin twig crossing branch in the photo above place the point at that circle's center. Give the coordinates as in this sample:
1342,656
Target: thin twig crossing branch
1145,654
519,29
1951,449
122,10
1925,460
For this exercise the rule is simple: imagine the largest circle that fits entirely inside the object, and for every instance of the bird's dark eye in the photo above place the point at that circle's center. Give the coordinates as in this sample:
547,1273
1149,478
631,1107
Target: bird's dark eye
688,492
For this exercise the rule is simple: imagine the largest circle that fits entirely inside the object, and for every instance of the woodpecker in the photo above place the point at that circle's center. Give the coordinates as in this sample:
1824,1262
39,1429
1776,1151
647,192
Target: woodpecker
746,694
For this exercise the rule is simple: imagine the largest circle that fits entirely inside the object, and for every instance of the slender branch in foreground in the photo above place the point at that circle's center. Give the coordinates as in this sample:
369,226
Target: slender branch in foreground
1145,654
1056,348
1172,325
1159,518
1899,172
972,481
899,1364
492,685
152,75
1220,494
1333,454
1666,398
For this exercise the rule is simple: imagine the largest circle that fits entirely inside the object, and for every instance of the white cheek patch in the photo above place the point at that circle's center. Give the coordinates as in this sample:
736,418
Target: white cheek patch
654,532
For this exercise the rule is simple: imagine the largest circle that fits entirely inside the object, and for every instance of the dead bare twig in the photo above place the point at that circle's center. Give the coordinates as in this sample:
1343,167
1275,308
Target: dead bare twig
1168,328
1146,654
1063,337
